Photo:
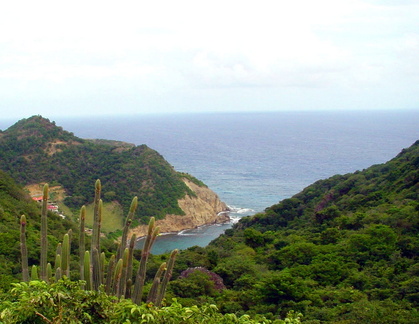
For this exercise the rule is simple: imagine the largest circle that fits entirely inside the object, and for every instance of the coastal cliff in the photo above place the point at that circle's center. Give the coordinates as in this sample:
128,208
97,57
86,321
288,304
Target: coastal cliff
206,208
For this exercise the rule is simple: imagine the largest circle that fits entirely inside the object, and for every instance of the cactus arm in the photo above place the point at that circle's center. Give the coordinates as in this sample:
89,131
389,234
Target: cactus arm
123,284
140,278
117,275
128,222
152,295
167,276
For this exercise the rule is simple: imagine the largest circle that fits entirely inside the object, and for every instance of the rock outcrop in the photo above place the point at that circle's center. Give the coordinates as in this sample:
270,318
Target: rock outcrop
206,208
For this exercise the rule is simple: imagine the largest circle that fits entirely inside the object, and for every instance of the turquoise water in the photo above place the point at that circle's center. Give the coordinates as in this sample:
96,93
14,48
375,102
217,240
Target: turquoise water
254,160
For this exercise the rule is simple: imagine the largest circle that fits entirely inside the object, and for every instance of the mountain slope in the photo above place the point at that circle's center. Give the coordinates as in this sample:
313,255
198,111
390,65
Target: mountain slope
35,150
14,202
344,250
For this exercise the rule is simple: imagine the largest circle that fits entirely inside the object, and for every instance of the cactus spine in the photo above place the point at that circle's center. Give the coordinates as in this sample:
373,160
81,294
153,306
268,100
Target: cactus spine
24,249
44,239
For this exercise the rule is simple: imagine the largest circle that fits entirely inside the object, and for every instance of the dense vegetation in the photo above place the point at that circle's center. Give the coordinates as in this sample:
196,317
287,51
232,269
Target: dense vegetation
56,299
14,201
35,150
66,302
344,250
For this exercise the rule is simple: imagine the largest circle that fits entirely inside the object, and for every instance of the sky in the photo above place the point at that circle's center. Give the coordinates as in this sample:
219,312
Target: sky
84,58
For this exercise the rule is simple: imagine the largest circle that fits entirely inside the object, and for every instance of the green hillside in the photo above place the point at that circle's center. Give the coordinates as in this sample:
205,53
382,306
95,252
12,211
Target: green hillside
35,150
14,202
344,250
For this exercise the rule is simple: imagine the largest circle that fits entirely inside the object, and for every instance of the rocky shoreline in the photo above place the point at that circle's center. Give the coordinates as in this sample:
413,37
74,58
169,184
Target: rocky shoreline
204,209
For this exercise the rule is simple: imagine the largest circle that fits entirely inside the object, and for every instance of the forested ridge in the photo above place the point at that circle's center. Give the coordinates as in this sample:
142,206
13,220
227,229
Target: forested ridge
35,150
344,250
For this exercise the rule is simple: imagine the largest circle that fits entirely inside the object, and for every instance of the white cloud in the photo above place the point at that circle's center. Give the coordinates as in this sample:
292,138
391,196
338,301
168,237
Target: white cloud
166,47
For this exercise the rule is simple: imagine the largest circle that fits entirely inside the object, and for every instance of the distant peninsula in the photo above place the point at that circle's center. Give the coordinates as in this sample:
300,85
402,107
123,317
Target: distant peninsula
35,151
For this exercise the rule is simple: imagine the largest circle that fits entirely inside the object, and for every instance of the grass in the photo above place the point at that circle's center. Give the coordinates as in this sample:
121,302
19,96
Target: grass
112,217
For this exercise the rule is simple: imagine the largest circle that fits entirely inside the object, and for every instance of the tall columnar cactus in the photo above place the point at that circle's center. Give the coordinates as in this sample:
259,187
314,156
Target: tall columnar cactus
152,233
109,278
58,274
128,222
24,249
82,242
87,273
96,270
92,264
49,272
44,238
123,284
65,256
57,264
96,219
34,273
95,245
102,267
166,278
129,267
59,249
152,295
117,275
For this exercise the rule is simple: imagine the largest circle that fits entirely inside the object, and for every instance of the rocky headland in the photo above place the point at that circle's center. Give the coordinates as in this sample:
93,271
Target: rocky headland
204,209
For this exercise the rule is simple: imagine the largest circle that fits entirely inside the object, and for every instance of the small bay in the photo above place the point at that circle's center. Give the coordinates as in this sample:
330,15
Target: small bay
254,160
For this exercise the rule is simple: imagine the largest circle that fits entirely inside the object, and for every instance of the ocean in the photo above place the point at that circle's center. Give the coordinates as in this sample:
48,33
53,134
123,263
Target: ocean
254,160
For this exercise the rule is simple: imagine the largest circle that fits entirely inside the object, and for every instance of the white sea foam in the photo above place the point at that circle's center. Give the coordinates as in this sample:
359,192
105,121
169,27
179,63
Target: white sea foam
234,219
240,210
185,233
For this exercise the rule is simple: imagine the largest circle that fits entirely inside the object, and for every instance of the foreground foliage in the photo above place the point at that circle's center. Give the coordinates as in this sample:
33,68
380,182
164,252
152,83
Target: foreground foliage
65,302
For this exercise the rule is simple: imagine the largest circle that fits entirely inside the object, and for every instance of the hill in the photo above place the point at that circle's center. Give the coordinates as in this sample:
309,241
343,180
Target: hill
14,202
344,250
35,150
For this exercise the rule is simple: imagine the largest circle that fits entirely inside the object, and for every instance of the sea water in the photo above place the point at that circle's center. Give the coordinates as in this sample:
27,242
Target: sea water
254,160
